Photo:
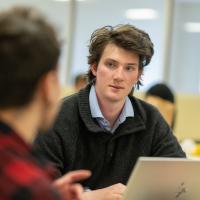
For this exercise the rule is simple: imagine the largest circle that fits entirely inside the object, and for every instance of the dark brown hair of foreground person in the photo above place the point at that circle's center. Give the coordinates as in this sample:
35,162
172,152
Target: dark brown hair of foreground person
26,41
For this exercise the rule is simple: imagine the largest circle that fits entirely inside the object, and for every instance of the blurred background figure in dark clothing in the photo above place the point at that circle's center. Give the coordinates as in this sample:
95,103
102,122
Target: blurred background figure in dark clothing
162,96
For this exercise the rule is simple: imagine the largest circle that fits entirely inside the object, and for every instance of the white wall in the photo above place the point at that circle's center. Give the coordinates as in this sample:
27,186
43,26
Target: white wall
185,65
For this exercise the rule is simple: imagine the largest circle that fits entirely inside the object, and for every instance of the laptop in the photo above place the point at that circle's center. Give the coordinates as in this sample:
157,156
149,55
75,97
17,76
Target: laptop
156,178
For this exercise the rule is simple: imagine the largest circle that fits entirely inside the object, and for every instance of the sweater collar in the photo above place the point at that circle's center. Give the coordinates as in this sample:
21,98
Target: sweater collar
129,126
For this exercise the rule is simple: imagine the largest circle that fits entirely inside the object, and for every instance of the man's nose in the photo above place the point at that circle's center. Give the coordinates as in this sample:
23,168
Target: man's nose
119,74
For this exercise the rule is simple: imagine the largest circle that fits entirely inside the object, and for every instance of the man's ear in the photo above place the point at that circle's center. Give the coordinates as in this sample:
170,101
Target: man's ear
94,69
50,87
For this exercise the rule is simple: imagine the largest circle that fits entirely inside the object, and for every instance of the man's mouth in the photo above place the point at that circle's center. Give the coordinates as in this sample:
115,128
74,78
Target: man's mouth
116,87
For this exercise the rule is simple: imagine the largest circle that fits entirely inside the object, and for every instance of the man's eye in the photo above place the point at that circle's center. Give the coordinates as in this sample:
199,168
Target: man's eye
111,65
129,68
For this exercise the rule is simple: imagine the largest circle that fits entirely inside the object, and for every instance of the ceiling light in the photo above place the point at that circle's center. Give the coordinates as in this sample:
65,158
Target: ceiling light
61,0
66,0
192,27
141,14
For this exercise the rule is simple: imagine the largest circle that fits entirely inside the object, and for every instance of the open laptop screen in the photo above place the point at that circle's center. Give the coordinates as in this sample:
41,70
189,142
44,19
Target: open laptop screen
164,179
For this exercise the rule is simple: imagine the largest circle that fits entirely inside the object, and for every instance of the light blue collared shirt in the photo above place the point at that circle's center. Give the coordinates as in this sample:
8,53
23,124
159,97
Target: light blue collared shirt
127,111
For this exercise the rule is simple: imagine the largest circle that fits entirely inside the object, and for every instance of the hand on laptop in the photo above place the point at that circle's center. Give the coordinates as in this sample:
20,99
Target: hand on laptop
68,188
113,192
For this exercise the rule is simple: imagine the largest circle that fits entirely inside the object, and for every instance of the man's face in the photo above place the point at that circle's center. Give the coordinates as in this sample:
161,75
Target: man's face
51,99
116,73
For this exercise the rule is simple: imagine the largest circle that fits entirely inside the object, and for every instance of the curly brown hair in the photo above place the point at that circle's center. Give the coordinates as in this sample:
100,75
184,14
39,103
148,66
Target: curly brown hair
124,36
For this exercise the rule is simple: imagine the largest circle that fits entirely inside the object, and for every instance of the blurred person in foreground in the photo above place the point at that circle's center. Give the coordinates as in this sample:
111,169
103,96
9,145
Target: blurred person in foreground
30,91
104,128
161,96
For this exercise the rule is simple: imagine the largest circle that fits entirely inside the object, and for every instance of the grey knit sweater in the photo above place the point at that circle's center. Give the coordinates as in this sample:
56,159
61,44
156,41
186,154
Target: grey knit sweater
77,142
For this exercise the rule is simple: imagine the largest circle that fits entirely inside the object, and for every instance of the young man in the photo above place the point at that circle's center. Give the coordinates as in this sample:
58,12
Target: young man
103,128
30,92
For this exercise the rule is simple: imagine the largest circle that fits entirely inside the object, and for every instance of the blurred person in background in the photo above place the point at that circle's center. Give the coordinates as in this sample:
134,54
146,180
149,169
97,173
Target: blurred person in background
30,91
161,96
80,82
104,129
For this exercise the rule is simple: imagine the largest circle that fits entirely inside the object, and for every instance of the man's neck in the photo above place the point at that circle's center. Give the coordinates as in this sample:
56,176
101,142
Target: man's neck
22,121
111,110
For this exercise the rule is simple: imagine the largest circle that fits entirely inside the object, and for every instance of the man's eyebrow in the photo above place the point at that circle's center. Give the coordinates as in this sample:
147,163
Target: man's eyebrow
113,60
131,63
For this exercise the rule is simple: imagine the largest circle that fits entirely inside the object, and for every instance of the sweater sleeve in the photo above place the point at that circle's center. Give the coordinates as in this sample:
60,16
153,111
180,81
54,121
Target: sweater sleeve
165,143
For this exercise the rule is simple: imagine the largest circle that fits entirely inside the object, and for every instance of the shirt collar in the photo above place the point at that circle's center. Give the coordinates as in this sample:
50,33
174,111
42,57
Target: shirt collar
94,105
7,130
4,128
